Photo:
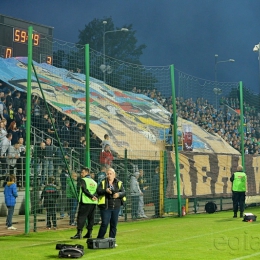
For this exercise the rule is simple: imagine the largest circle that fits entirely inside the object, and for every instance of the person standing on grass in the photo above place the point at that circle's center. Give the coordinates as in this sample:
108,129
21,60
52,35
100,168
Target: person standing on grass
87,204
239,182
135,194
156,192
111,196
72,197
49,197
10,192
141,213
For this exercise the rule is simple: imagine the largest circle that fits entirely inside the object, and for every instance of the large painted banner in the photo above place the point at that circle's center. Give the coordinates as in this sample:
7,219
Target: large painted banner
133,121
208,175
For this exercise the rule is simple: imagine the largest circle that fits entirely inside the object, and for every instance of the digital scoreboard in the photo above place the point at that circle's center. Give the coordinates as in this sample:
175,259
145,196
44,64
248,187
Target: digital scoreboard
14,39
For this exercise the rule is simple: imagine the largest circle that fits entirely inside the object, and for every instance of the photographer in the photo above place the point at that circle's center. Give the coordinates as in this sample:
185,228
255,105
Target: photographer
111,196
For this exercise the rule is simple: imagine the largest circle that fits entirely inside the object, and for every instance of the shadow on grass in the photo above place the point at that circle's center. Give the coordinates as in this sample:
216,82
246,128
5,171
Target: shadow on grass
53,256
225,220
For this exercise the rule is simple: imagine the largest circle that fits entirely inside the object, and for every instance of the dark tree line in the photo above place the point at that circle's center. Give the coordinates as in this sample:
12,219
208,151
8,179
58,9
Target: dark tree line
122,67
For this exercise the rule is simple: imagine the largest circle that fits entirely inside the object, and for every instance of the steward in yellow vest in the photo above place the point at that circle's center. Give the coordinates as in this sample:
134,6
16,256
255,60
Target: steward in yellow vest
239,183
111,194
87,204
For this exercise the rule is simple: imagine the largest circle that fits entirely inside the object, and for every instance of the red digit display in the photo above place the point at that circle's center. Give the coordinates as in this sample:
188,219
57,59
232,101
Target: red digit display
21,36
49,60
8,52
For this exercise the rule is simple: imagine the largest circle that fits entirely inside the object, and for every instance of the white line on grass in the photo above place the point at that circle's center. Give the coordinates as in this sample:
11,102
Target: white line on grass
163,243
247,256
126,231
57,241
49,242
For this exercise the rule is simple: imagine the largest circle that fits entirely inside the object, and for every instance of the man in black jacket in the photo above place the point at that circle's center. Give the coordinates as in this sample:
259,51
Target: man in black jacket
49,197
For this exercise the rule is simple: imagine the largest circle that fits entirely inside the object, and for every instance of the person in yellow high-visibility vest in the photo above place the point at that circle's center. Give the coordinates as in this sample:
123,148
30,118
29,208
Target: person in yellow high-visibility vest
87,204
239,182
111,196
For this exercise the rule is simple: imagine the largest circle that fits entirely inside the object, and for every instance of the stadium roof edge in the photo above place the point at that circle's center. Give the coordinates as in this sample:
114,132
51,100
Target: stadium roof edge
18,19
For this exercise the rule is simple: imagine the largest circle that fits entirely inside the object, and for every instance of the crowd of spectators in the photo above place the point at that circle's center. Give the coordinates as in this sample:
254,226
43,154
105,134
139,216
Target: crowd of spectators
45,151
223,121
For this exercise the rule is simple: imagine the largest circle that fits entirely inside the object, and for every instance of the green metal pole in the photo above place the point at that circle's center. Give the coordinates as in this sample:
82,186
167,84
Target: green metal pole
125,165
28,132
242,123
175,136
87,105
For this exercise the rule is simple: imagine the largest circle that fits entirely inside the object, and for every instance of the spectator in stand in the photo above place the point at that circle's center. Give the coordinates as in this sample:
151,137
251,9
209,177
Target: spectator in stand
40,155
10,193
17,101
106,156
8,97
134,90
79,144
43,124
36,115
49,196
95,148
77,131
16,133
101,174
60,157
3,131
105,142
61,120
2,107
51,128
49,154
20,165
82,151
72,197
10,112
5,145
12,156
20,118
65,132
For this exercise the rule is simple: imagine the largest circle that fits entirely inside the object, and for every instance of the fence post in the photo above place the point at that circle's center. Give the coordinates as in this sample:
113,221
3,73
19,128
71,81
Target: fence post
125,166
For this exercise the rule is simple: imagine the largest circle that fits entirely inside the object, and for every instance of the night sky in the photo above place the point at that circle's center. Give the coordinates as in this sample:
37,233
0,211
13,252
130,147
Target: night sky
186,33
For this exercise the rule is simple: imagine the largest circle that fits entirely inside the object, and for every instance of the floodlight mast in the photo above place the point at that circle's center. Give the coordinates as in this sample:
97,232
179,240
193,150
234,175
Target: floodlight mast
106,68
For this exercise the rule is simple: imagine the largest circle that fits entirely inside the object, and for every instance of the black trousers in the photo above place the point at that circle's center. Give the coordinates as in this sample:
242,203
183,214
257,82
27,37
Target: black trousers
86,212
51,215
156,203
238,199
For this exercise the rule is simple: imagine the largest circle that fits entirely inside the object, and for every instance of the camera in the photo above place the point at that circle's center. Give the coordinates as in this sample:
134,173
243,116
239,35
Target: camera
111,187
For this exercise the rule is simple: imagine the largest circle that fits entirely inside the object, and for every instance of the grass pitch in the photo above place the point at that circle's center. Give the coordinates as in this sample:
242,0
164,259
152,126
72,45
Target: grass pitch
196,236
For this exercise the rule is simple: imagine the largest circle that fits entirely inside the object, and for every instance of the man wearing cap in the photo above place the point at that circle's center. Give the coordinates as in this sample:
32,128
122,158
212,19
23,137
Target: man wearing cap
239,182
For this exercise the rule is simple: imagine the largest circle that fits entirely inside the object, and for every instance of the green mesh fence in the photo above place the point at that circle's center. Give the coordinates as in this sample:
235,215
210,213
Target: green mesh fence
131,104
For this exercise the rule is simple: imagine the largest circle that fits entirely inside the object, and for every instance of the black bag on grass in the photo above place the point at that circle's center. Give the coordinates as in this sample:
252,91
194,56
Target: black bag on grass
249,217
99,243
70,251
210,207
